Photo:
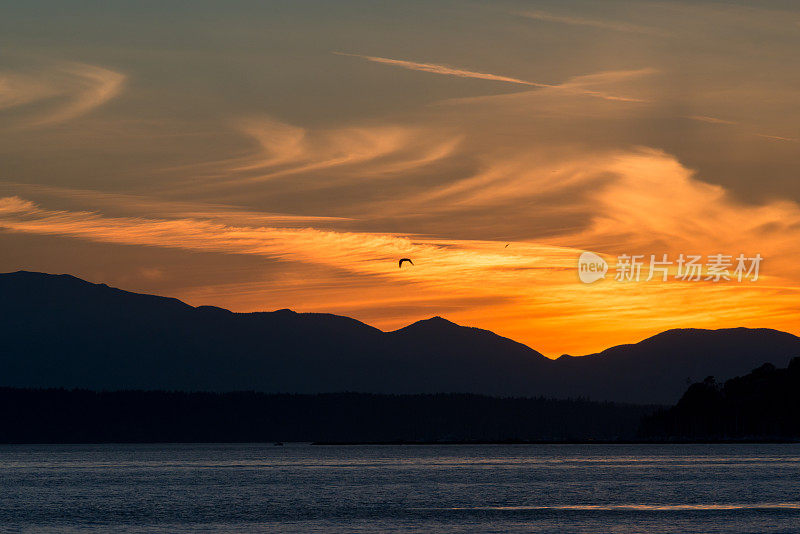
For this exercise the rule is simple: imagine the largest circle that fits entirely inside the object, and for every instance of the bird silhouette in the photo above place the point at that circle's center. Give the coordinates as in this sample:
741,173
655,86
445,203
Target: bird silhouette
400,263
506,245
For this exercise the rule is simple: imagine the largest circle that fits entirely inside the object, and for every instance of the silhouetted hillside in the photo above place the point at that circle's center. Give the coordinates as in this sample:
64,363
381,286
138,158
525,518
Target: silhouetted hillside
61,416
764,404
60,331
63,332
664,364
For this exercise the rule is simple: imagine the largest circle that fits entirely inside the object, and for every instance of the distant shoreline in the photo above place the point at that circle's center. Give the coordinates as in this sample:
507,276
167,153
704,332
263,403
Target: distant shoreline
757,408
575,442
406,443
84,416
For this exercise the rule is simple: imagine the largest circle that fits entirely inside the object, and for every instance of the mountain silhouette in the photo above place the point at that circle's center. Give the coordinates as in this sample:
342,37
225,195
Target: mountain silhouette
658,368
61,331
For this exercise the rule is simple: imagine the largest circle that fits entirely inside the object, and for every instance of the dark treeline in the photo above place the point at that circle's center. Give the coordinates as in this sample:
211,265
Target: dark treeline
81,416
762,405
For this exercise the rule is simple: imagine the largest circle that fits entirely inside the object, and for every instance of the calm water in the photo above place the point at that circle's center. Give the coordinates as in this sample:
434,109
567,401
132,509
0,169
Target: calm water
303,488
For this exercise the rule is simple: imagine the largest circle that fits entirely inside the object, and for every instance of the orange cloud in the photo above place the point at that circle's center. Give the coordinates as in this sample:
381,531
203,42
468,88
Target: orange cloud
59,93
527,291
539,169
357,153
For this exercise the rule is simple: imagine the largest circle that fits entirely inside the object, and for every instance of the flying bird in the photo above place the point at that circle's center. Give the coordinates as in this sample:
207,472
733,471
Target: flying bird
506,245
400,263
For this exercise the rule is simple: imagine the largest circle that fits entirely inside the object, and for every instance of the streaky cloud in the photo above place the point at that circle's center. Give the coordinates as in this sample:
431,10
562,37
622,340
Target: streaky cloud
361,252
710,120
94,87
779,138
57,94
444,70
578,85
714,120
591,85
355,152
592,23
126,203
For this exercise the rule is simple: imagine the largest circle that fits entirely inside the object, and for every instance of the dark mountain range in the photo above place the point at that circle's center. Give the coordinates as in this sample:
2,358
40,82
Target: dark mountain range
60,331
660,367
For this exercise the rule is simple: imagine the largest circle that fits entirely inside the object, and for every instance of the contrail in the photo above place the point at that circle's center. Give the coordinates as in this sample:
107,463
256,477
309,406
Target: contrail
463,73
445,70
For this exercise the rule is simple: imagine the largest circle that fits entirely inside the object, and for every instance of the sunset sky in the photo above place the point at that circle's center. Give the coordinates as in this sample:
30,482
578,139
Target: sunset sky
265,155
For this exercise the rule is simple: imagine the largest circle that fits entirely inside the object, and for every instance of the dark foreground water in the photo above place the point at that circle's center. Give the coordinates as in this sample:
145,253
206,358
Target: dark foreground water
491,488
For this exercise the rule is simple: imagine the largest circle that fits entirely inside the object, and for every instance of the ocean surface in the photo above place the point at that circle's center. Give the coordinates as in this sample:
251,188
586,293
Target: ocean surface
412,488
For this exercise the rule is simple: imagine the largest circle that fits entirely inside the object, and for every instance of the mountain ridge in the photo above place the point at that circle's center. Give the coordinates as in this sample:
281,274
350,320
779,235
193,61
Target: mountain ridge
63,331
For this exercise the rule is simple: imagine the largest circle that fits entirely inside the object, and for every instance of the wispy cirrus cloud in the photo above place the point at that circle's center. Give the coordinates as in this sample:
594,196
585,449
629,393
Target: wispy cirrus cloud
19,90
90,87
710,120
592,23
348,154
125,204
444,70
463,73
715,120
779,138
366,253
55,94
